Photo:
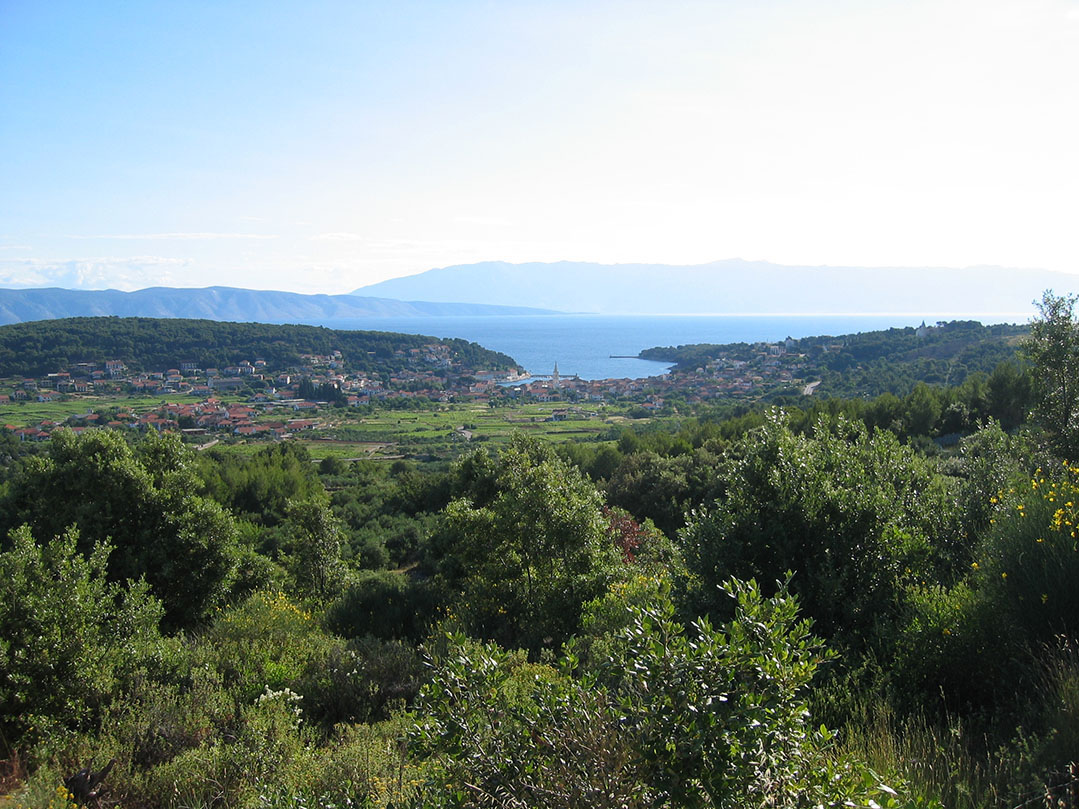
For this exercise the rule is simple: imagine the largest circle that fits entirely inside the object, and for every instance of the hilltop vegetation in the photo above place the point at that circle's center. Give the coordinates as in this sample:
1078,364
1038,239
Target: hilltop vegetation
37,348
866,364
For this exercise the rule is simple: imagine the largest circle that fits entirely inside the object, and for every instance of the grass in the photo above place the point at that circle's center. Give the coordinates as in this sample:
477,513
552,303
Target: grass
454,426
347,450
938,762
26,413
440,431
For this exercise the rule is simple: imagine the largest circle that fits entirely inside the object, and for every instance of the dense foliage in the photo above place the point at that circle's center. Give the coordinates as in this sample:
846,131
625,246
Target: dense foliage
875,362
145,502
857,603
154,344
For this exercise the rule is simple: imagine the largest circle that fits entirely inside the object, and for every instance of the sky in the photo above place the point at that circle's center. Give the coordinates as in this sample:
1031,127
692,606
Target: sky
321,146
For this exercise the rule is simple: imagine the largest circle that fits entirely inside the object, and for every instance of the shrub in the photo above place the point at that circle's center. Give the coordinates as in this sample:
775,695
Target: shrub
145,504
67,635
1029,564
954,652
854,516
691,718
525,549
505,732
266,751
384,604
361,682
268,641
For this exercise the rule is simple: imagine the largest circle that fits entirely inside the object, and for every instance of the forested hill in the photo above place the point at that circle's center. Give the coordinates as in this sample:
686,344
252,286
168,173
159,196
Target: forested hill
40,347
870,363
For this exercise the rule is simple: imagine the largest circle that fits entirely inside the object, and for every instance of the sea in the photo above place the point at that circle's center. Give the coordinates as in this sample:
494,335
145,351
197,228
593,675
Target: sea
606,346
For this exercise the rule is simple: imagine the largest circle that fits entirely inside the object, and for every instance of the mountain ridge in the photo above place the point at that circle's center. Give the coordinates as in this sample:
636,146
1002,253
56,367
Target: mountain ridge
730,286
231,304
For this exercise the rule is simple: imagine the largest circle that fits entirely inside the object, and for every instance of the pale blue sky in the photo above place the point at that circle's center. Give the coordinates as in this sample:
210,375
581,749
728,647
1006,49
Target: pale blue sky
321,146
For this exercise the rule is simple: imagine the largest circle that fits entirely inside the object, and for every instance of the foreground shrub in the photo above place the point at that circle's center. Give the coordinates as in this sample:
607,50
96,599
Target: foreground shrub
854,516
1028,566
361,681
977,644
267,641
720,715
67,635
264,748
505,732
701,717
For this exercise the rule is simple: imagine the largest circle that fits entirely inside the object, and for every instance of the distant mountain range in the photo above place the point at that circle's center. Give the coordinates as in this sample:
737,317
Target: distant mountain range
730,287
226,304
497,288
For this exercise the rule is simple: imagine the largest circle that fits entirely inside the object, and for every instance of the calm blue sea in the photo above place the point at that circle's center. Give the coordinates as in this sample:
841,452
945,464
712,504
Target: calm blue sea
583,344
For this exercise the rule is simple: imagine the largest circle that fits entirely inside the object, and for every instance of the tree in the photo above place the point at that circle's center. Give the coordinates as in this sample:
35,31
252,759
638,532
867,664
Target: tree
852,515
306,389
1053,350
260,486
524,547
145,503
652,486
1009,394
316,540
922,410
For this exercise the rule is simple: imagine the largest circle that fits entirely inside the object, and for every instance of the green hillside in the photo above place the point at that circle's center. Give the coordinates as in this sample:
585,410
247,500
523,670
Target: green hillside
39,347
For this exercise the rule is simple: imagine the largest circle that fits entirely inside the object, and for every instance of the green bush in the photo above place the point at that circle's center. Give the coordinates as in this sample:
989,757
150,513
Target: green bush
158,721
500,731
362,681
1028,566
145,503
524,548
954,652
975,643
266,642
265,751
368,766
68,637
384,604
696,717
855,516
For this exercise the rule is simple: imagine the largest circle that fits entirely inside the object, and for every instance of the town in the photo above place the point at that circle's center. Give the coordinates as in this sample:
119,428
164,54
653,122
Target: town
253,400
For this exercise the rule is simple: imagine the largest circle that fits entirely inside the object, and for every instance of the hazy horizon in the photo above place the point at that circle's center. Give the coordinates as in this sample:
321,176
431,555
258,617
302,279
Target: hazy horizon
75,281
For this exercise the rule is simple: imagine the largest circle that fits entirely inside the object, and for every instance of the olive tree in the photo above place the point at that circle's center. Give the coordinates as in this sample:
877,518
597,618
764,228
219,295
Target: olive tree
1053,350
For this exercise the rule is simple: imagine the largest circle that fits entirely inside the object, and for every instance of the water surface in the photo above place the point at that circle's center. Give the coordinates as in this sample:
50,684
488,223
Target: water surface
591,346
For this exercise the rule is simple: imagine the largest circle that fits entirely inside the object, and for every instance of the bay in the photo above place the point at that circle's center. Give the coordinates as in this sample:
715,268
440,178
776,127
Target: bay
605,346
